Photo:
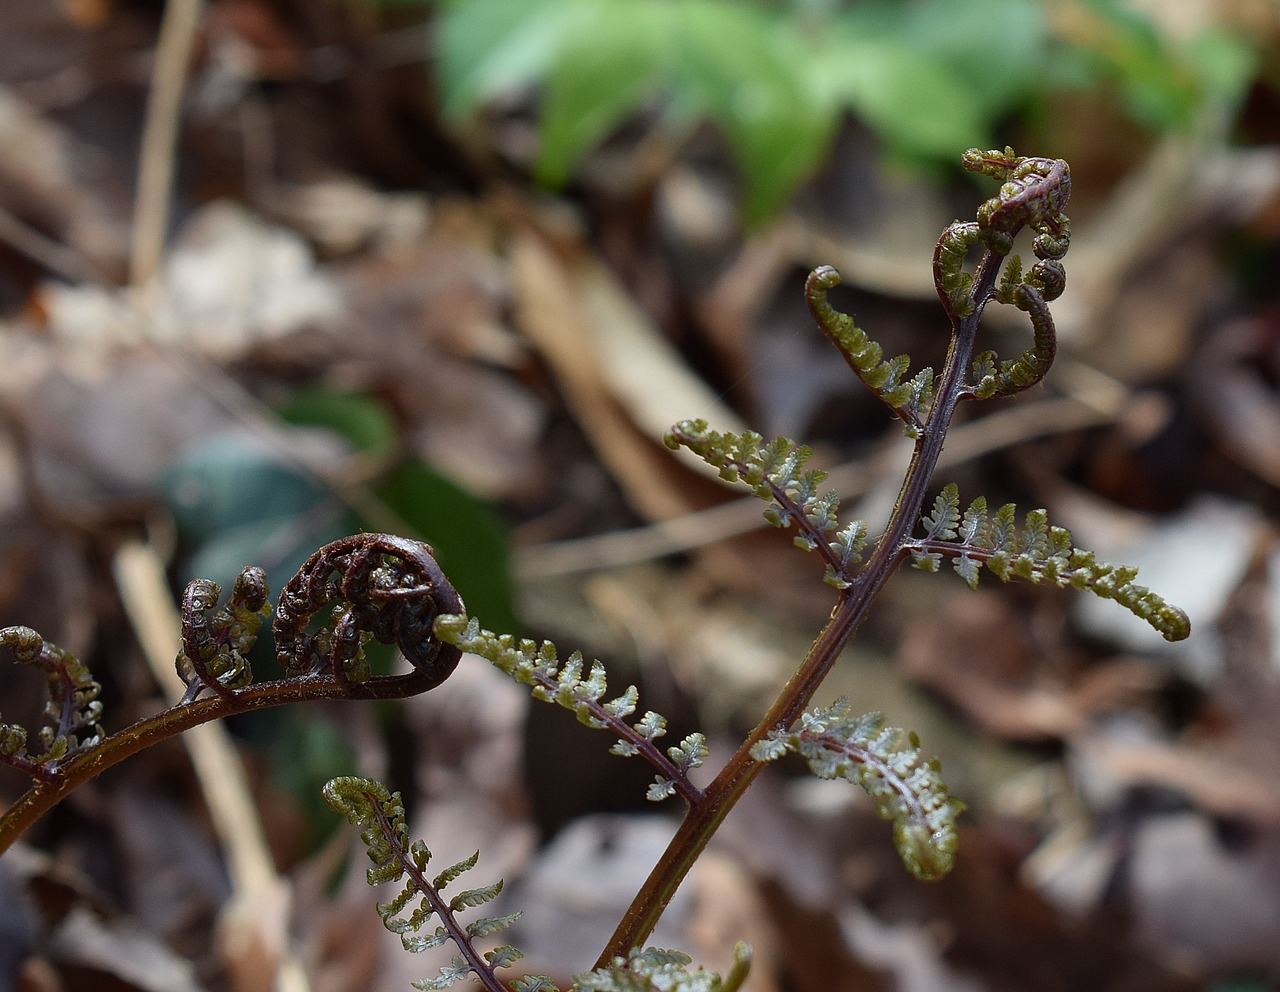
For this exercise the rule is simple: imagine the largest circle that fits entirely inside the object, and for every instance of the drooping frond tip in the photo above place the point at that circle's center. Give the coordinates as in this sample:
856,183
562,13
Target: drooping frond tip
581,689
380,815
1036,552
886,762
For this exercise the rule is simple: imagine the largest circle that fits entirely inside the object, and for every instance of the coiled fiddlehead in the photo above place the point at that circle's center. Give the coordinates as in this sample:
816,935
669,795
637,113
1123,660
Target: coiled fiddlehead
72,711
376,586
1034,193
215,645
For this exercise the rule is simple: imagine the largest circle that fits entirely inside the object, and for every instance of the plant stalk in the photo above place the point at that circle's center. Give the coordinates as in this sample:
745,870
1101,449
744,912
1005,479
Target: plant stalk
705,815
74,771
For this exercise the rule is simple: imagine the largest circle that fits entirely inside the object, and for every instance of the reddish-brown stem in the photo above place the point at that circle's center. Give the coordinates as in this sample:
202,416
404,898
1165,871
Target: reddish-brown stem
74,771
706,814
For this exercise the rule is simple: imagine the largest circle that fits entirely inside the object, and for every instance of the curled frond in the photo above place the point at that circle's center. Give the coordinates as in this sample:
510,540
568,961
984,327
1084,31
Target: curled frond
1036,552
1033,193
374,586
215,645
435,919
582,689
72,713
774,471
887,763
656,970
908,399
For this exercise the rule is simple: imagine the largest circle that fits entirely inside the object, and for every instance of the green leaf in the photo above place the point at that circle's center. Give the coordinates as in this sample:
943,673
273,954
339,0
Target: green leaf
361,419
603,73
489,47
922,108
745,68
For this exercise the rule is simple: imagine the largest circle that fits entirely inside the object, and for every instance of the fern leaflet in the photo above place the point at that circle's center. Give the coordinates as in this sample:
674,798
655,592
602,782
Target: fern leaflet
909,399
656,970
774,471
887,763
566,685
380,813
1037,552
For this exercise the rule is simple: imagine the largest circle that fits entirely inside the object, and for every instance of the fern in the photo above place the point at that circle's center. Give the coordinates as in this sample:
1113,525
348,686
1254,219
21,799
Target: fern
216,645
72,712
887,763
774,471
655,970
1036,552
909,399
566,685
380,813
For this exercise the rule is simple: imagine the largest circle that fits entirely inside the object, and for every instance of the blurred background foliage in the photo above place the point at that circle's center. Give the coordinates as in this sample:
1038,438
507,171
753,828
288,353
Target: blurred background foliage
927,77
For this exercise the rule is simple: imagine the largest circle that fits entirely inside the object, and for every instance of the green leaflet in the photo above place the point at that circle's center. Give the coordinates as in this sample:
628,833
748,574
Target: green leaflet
380,815
539,666
775,471
1036,552
656,970
909,399
887,762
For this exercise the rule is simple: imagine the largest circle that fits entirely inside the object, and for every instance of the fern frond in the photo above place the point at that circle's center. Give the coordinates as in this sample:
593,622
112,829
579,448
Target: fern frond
773,472
1038,552
909,400
72,712
215,646
380,815
887,763
657,970
538,665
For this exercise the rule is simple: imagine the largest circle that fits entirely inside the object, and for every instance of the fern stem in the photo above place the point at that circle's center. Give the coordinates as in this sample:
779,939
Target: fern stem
74,771
705,815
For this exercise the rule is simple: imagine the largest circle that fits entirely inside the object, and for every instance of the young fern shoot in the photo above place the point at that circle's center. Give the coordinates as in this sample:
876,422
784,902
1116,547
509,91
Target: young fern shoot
385,588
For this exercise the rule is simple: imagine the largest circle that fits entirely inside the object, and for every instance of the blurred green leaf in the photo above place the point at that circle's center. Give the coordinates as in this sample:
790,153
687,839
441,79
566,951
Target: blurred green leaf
307,750
929,77
744,68
602,73
236,503
488,47
359,418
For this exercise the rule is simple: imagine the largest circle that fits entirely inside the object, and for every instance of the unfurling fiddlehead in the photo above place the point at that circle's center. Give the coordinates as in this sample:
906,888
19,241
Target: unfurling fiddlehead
1036,552
1033,193
888,764
375,585
215,645
360,587
72,711
909,399
538,665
